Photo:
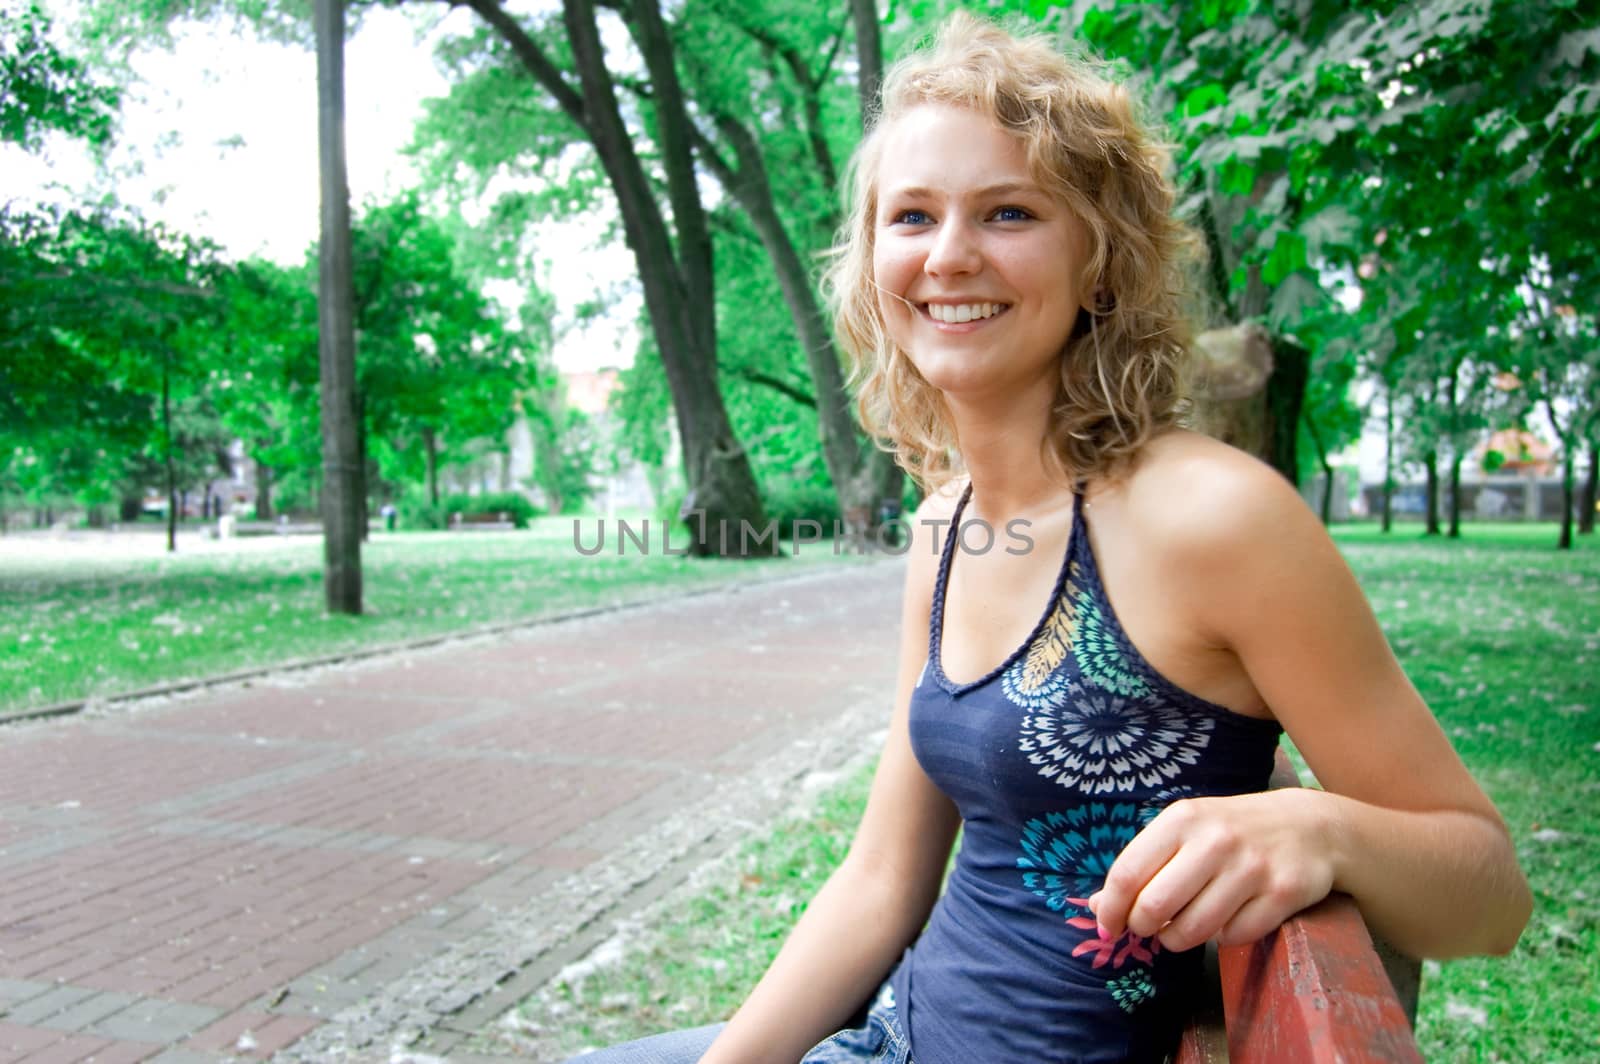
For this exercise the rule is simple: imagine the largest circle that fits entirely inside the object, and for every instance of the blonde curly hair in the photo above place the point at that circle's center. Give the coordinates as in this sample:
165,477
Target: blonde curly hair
1121,367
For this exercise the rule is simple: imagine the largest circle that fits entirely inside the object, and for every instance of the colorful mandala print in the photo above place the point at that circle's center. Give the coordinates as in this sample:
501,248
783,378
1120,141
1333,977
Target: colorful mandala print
1113,951
1100,744
1100,657
1076,626
1065,856
1151,807
1035,680
1132,990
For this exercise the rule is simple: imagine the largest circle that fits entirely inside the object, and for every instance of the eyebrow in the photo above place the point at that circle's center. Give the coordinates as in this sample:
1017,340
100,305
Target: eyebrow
1005,188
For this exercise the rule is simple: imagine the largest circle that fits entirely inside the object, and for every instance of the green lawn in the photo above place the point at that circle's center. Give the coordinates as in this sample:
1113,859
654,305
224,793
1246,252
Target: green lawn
96,618
1502,635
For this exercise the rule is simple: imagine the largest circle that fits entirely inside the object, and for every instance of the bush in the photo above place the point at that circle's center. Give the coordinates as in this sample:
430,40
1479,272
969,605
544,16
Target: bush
415,512
789,502
517,507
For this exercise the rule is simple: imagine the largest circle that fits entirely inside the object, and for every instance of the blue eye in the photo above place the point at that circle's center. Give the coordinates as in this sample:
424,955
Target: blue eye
1012,214
912,218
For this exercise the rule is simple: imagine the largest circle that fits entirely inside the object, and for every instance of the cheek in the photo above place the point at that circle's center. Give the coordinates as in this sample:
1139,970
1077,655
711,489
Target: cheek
892,275
894,265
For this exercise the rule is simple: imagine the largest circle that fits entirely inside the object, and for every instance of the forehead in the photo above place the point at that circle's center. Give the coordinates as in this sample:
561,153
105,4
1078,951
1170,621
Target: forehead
952,149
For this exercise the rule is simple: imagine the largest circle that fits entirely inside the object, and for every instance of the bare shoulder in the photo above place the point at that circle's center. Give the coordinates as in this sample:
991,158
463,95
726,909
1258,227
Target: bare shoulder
1193,498
931,521
941,503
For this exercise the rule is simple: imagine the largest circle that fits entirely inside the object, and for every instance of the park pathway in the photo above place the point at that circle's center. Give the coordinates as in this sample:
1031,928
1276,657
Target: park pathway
331,864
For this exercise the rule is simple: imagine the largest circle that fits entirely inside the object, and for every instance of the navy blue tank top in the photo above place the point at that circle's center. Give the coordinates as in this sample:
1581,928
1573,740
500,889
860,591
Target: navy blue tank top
1055,760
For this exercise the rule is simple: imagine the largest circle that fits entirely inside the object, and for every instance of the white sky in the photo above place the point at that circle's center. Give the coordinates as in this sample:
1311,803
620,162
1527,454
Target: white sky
220,140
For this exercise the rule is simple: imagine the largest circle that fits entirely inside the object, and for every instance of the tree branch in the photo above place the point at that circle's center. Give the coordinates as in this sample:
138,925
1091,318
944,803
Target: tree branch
782,387
810,86
533,58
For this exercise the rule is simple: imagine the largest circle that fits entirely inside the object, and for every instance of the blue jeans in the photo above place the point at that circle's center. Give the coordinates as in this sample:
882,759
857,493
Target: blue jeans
877,1039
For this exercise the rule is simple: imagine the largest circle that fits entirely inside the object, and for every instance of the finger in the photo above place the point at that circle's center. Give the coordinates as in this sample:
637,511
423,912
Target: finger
1138,862
1256,918
1232,888
1268,909
1174,886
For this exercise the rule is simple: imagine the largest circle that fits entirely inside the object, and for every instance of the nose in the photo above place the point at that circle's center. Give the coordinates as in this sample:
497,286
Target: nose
955,250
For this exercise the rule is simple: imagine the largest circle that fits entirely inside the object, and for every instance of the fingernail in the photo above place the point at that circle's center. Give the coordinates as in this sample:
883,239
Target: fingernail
1105,936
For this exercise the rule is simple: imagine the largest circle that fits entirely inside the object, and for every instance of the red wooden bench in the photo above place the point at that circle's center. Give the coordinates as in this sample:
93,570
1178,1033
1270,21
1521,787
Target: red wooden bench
1317,989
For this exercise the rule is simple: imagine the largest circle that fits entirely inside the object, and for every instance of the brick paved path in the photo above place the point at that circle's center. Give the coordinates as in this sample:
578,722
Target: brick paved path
391,852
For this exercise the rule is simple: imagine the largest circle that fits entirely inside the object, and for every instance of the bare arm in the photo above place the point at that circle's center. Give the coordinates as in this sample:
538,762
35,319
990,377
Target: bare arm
1402,826
876,902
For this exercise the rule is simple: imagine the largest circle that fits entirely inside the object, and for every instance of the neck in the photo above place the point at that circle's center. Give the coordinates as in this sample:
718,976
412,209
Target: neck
1002,450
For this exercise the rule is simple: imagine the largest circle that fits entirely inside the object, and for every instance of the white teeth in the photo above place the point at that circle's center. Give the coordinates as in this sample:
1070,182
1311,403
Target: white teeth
955,315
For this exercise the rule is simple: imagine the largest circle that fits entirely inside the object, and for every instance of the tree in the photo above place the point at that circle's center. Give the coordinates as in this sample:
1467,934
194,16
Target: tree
343,510
269,374
42,90
109,321
1558,362
675,263
1307,131
436,363
762,96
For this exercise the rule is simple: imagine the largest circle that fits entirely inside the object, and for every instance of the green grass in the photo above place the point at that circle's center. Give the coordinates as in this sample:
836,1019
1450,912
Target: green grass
74,625
1502,635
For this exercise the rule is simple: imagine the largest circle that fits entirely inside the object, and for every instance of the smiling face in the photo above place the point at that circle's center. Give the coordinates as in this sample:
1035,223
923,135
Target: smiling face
977,266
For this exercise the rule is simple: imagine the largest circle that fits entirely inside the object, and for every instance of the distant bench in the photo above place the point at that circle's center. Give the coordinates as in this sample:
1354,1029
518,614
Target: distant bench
1316,990
483,522
284,527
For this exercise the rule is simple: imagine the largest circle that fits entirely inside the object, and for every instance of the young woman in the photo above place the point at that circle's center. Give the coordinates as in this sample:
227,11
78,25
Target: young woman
1098,712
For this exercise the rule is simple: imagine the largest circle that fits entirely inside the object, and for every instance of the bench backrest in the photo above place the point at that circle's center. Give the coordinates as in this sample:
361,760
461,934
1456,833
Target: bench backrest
1317,989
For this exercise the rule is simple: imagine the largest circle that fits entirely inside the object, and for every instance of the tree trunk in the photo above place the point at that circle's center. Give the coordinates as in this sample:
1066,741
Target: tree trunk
1455,492
1567,463
263,491
166,452
1430,461
1326,510
869,58
545,430
1587,497
678,287
430,457
341,494
1388,459
1286,396
1248,391
864,477
361,463
679,292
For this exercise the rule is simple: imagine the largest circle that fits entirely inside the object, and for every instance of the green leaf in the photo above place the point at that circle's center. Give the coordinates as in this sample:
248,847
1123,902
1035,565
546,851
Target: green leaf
1288,255
1203,99
1238,177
